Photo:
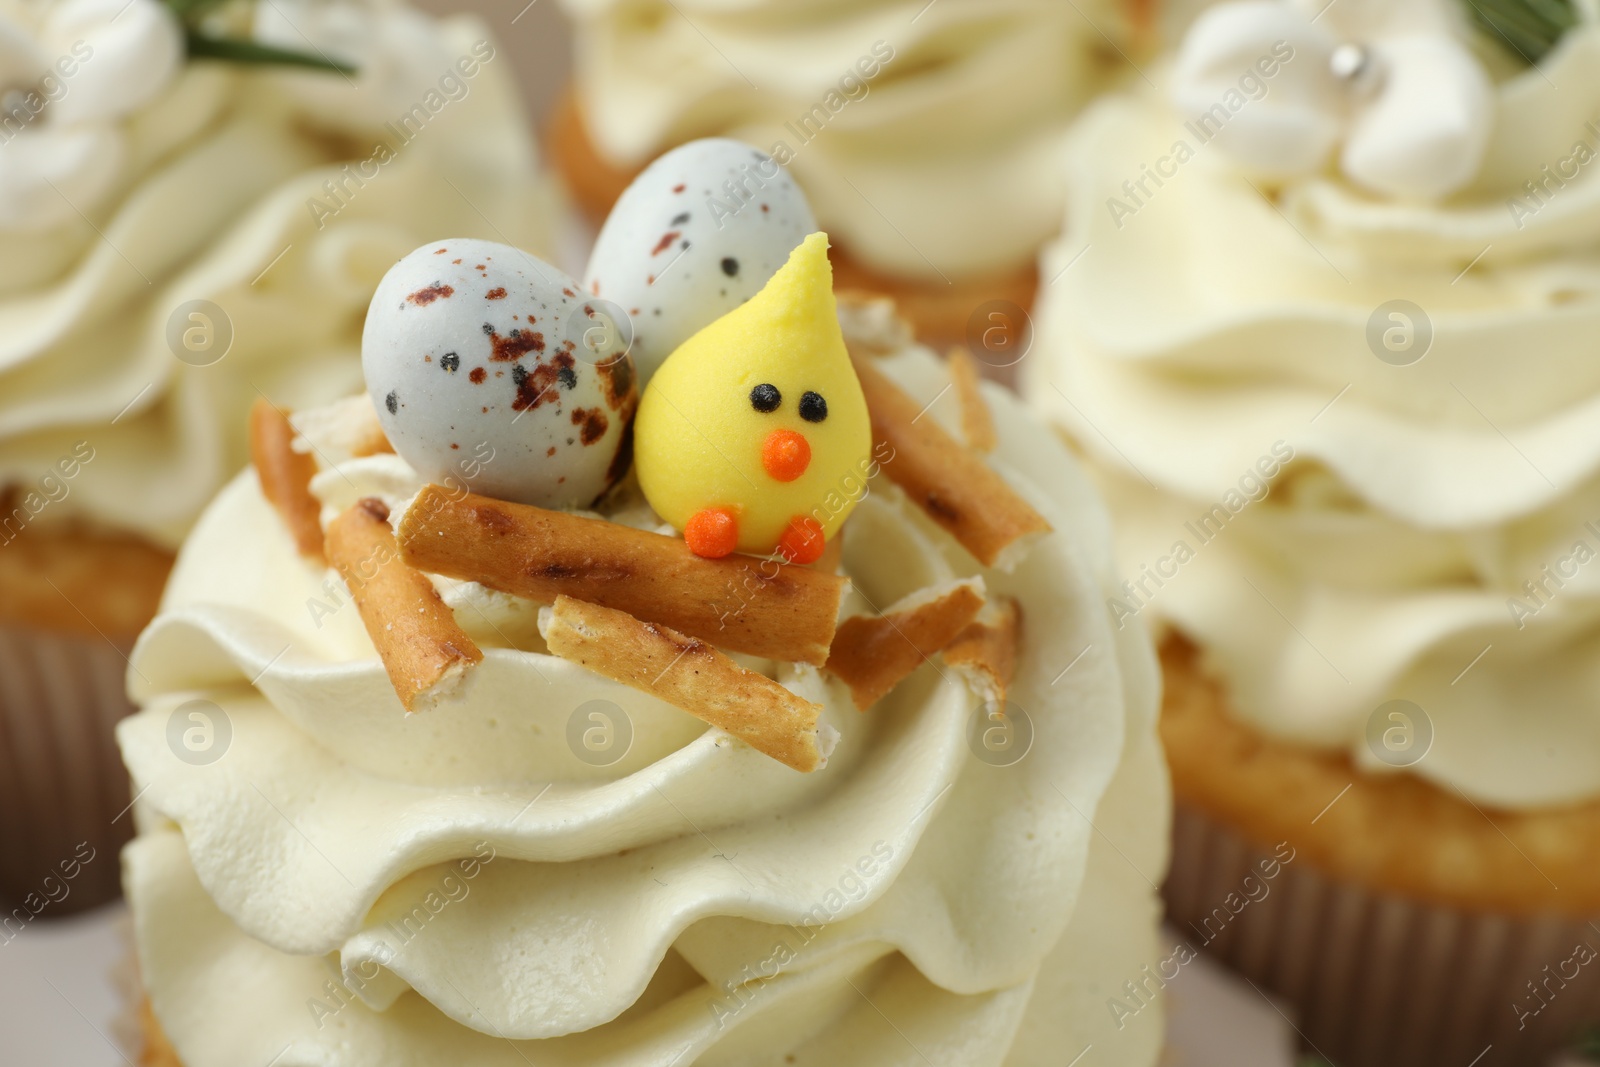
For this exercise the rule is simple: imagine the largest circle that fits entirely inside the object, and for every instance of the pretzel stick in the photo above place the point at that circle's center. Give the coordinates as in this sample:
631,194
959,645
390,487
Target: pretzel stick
977,424
738,602
688,674
872,655
958,490
422,648
985,653
285,476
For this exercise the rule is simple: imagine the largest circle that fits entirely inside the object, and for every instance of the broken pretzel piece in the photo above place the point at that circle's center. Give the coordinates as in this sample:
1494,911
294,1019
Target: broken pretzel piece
285,476
977,423
985,653
871,321
689,674
873,654
423,649
957,489
741,603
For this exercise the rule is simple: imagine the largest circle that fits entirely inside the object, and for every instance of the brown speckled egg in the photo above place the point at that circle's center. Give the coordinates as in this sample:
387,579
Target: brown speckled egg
491,370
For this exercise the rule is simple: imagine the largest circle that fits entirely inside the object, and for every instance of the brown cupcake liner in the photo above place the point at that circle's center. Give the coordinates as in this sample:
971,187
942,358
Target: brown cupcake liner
63,789
1378,979
137,1032
154,1050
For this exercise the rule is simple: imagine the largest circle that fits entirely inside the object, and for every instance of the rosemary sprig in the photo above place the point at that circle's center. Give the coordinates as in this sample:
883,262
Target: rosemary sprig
1530,28
186,10
202,45
241,50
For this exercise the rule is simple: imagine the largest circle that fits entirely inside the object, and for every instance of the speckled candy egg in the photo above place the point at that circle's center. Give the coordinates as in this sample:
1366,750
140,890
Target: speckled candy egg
698,233
475,355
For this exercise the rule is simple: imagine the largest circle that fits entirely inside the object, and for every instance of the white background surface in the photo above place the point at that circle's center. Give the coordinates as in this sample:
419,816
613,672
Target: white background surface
60,1003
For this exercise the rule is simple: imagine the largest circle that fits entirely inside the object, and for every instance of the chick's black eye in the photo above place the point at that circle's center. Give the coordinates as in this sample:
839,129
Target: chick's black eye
766,397
812,407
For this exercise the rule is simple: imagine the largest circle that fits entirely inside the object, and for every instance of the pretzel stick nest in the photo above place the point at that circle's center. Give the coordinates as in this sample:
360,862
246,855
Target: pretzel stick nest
688,674
977,423
873,654
423,649
985,653
737,602
286,476
958,490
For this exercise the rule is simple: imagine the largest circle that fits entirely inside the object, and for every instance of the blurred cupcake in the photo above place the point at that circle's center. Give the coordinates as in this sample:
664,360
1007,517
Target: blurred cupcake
1323,319
624,821
192,216
927,135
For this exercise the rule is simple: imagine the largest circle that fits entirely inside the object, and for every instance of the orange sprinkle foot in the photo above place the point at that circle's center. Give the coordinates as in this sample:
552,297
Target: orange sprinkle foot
712,533
802,542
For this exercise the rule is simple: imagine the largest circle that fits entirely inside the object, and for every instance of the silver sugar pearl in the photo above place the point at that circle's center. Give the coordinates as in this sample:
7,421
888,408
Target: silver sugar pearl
1349,62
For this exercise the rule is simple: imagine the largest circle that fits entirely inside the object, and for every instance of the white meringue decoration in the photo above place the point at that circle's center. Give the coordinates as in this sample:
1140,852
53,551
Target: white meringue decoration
137,48
1290,130
1394,84
396,52
68,77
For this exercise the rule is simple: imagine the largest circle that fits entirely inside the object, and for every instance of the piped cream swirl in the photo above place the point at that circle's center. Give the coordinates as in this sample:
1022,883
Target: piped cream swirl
1444,459
925,135
258,201
695,900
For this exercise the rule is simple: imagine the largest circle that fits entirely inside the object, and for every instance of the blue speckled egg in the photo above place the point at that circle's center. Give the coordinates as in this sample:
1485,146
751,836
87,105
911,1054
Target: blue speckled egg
698,233
475,354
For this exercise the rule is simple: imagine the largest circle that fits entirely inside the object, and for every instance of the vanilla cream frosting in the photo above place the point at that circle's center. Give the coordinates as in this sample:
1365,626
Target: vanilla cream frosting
218,191
931,147
351,884
1199,330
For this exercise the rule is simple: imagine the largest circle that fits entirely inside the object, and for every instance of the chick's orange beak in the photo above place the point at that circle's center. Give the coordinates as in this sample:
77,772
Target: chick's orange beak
785,454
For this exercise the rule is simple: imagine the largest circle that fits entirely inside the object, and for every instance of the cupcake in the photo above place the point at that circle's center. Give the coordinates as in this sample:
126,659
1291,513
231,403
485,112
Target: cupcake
926,134
801,737
1319,322
193,216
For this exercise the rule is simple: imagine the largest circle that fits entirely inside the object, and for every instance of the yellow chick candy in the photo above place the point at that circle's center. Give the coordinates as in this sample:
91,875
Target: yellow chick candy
753,436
